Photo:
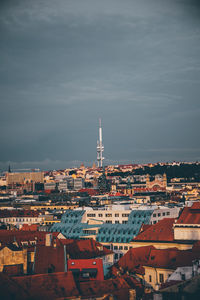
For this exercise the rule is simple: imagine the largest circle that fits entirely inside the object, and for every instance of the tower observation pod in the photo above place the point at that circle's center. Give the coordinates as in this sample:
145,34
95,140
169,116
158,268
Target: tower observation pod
100,147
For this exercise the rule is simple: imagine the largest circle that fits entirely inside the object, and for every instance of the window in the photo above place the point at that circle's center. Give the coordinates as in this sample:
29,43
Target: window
159,215
33,242
91,215
150,278
100,215
161,278
116,215
108,215
168,213
120,247
109,222
125,215
124,222
116,222
183,277
125,247
154,215
116,256
163,214
115,247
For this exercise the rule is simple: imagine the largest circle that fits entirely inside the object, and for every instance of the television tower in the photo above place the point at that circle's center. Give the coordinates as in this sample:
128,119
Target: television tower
100,147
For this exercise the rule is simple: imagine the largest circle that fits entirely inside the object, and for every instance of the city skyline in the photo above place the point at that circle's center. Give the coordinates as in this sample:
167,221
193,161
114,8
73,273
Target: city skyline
135,65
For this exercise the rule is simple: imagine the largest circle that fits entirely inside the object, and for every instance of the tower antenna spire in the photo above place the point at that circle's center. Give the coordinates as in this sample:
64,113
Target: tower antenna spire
100,147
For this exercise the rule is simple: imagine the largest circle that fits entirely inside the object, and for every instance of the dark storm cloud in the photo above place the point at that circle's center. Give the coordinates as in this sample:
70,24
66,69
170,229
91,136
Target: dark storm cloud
65,64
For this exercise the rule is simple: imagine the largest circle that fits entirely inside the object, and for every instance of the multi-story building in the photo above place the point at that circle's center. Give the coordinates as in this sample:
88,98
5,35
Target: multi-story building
21,178
50,186
113,226
20,217
187,226
62,186
13,260
75,183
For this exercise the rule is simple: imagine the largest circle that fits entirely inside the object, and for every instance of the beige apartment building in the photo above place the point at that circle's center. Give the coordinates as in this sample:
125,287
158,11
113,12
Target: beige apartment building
25,177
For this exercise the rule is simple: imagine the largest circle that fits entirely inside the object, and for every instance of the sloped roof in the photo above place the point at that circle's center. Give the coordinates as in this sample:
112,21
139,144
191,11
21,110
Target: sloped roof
49,286
7,213
10,289
27,227
10,236
49,259
145,227
189,287
117,286
124,233
86,249
161,231
195,205
12,247
171,258
133,260
190,215
90,192
136,258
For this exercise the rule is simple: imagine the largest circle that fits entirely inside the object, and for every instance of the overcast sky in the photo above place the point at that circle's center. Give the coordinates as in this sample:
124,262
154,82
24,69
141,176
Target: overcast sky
67,63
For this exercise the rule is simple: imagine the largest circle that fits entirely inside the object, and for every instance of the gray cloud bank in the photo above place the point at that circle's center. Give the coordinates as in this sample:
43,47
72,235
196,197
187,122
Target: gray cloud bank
64,64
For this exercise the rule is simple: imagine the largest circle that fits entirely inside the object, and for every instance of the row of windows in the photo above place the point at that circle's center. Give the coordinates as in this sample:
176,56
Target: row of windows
107,215
119,247
141,216
161,278
18,220
117,256
26,243
163,214
116,222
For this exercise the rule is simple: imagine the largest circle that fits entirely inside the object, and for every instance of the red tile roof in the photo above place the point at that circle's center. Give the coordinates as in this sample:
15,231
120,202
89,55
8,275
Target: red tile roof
171,258
117,287
133,260
86,249
90,192
196,205
49,286
32,227
83,265
144,227
6,213
10,236
161,231
190,215
49,259
10,289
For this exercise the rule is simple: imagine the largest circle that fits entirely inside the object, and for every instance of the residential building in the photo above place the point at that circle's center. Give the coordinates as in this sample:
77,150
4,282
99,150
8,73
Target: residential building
21,178
13,260
187,226
19,217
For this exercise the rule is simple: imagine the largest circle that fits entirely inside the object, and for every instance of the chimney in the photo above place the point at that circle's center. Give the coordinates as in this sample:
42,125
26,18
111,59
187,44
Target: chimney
48,239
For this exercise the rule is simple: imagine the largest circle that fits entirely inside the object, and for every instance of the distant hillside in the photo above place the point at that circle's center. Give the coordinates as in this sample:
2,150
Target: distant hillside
189,172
